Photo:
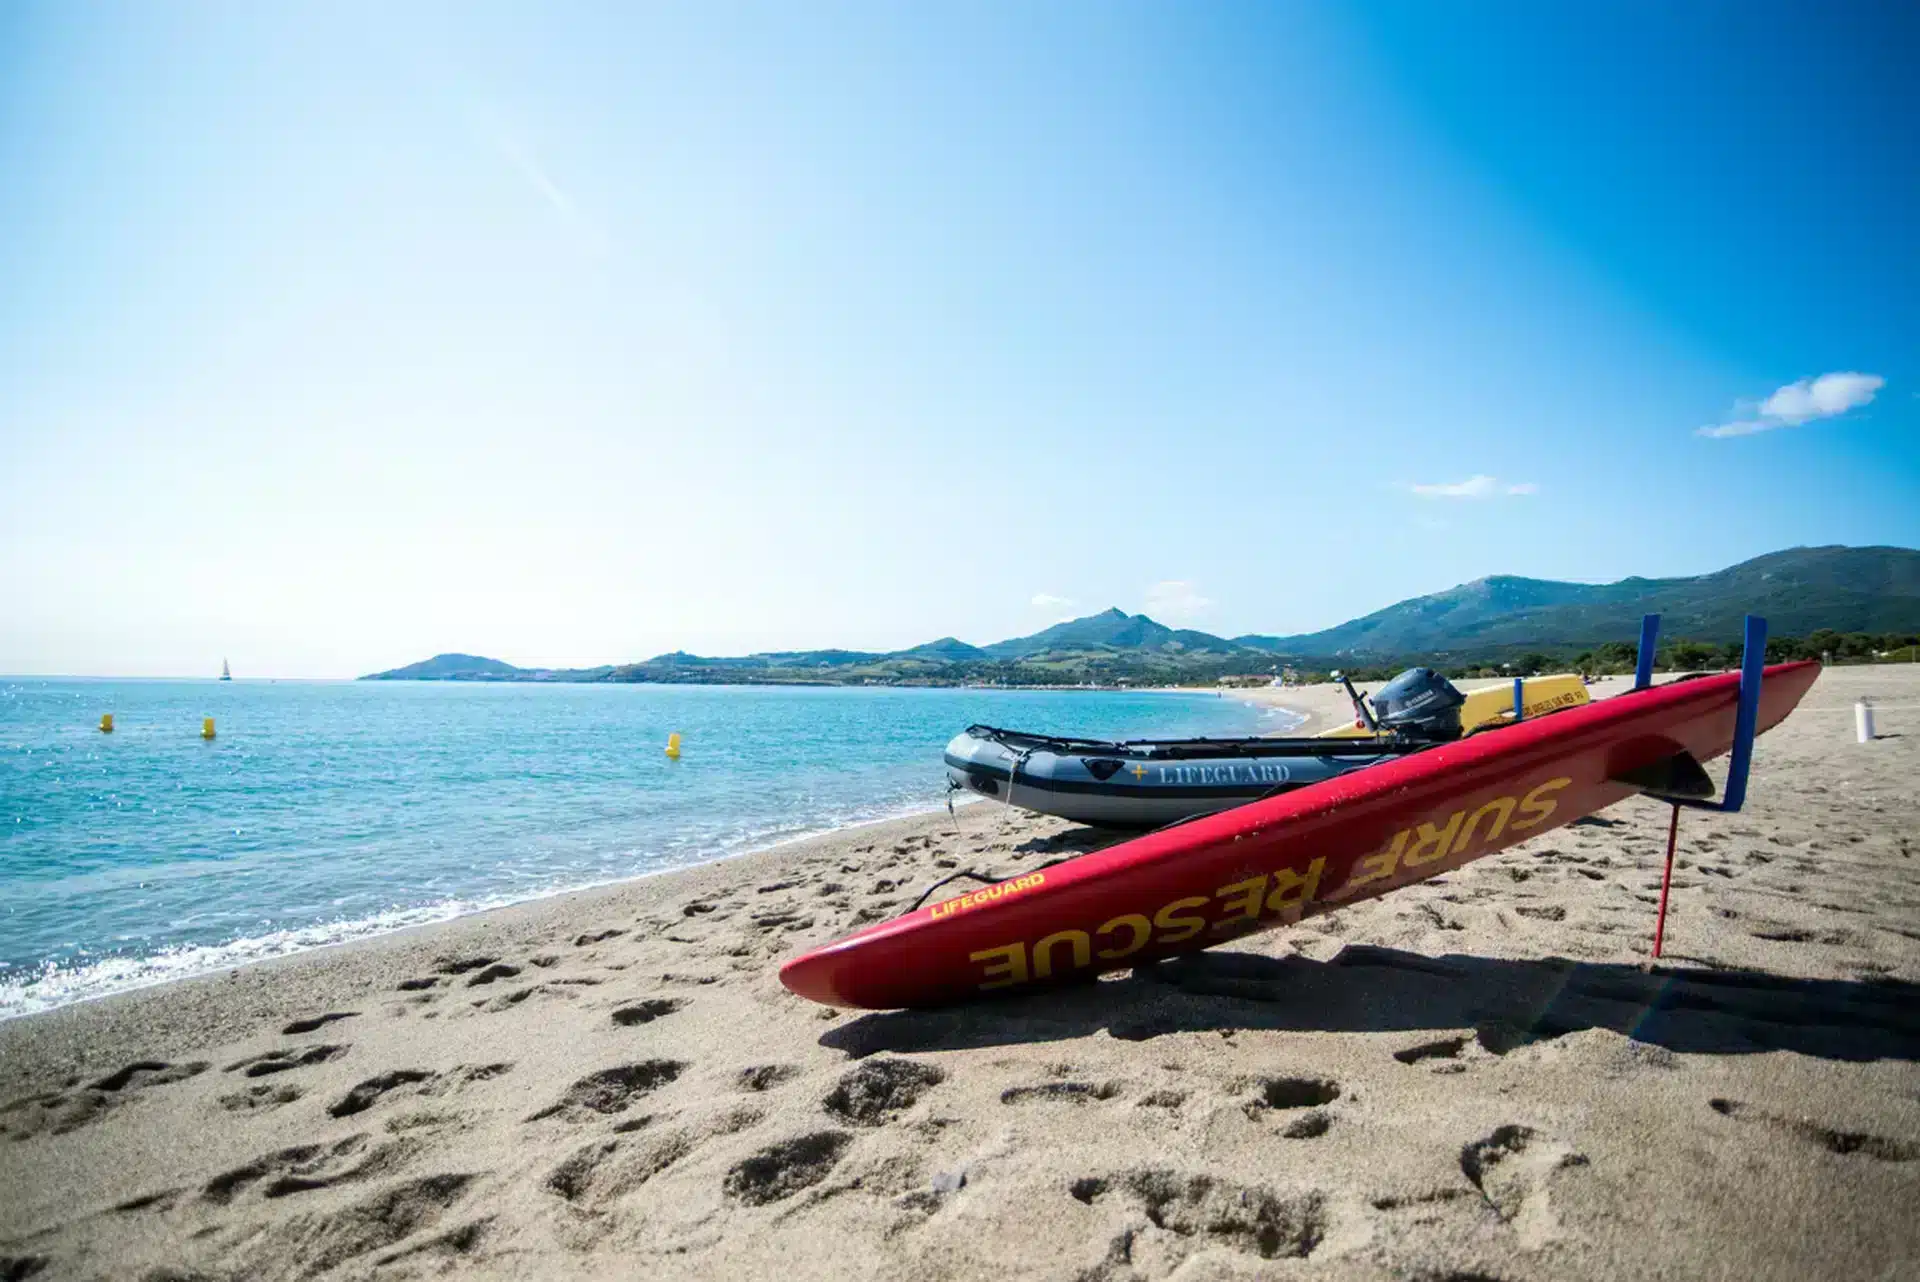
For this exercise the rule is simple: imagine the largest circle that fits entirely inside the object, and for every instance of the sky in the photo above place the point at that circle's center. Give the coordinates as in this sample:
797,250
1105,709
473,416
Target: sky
336,336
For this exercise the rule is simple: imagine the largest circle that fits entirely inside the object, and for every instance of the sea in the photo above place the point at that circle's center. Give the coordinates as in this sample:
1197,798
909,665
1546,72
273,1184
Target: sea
326,811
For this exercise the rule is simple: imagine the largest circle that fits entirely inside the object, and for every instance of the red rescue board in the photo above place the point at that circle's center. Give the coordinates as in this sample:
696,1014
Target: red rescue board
1275,862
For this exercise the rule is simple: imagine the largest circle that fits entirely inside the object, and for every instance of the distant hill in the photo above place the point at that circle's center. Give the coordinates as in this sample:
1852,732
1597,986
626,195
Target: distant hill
1873,589
1112,629
450,667
945,650
1801,590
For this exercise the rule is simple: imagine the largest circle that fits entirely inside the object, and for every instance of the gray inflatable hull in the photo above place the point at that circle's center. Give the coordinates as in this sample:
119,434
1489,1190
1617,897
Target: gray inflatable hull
1145,784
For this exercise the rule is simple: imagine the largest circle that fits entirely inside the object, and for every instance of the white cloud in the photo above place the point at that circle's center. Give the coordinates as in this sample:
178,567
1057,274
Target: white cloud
1744,428
1474,487
1801,402
1176,599
1048,601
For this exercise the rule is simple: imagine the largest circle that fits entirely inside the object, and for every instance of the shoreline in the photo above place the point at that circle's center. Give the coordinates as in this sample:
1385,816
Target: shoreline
432,919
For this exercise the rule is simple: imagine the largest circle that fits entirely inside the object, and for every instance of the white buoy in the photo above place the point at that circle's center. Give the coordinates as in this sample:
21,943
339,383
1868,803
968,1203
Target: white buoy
1863,720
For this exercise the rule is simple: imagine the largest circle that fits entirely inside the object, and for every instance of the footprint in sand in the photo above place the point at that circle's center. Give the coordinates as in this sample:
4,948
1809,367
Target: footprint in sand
413,1081
490,968
607,1169
461,965
764,1077
611,1090
1199,1211
304,1168
286,1059
262,1098
1280,1094
645,1012
492,974
59,1112
313,1022
1511,1168
873,1092
507,1000
1309,1126
783,1169
596,937
164,1200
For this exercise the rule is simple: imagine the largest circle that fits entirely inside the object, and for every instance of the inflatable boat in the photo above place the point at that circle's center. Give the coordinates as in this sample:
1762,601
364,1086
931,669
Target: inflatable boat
1146,783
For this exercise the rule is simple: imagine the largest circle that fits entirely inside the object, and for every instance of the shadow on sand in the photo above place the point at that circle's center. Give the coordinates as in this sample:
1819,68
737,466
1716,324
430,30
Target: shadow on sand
1371,989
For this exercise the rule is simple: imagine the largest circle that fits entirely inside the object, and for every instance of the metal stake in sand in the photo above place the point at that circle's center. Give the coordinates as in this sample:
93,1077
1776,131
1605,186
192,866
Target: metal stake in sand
1666,883
1863,720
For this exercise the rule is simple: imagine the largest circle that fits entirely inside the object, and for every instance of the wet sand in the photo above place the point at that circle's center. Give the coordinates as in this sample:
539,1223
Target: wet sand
1476,1077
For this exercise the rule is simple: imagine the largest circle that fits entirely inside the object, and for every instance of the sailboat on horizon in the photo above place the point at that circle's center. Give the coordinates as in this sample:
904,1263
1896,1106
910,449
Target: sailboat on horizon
226,673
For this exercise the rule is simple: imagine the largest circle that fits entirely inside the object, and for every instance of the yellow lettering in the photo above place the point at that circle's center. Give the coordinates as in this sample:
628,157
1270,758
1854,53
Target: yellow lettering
1431,843
1376,866
975,898
1136,924
1043,951
1504,805
1244,904
1010,970
1534,805
1185,927
1293,891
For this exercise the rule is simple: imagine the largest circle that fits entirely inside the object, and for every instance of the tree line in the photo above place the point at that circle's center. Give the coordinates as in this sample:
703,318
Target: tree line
1613,658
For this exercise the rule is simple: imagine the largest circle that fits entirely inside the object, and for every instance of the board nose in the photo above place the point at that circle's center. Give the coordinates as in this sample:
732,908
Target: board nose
813,976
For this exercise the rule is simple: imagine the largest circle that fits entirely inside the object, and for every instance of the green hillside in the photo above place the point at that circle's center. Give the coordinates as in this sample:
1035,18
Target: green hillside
1874,589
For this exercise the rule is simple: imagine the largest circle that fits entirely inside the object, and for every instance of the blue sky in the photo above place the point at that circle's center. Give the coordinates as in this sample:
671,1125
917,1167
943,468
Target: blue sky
333,337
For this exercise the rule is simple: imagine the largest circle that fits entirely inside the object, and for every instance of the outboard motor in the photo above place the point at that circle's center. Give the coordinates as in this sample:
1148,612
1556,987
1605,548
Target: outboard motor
1420,704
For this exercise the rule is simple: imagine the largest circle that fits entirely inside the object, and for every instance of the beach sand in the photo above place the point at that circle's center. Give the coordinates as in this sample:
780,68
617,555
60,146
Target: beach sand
1474,1078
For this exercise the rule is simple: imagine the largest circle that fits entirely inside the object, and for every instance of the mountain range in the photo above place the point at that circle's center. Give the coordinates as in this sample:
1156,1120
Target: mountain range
1800,590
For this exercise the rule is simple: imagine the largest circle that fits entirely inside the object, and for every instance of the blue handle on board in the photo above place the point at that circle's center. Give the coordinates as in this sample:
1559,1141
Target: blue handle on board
1643,665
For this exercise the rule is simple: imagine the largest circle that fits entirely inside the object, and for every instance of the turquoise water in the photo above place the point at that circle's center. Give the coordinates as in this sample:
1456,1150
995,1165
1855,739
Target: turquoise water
324,811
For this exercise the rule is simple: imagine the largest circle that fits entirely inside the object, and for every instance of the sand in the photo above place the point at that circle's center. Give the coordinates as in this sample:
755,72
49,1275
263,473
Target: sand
1474,1078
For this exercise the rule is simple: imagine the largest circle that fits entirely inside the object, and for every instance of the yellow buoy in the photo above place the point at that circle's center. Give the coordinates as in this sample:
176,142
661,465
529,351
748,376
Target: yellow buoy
673,745
206,728
106,723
